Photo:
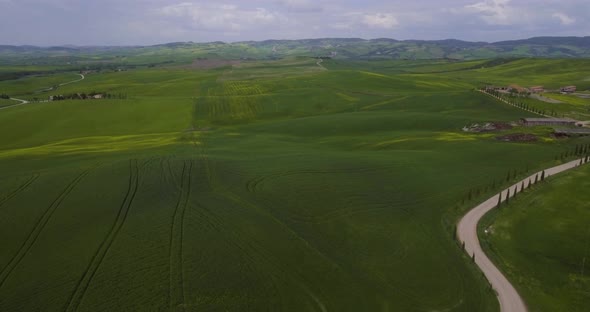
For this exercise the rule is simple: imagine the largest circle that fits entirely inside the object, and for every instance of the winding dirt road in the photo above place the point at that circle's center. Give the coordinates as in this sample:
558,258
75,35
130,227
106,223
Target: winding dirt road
510,300
25,102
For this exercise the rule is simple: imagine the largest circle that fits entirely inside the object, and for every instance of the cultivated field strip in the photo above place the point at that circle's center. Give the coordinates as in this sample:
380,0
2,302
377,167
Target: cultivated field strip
18,190
84,282
176,287
252,254
39,225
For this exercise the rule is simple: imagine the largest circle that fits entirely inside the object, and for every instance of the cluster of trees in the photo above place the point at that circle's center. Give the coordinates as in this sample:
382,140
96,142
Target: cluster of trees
4,96
520,105
532,109
89,96
580,150
510,176
523,185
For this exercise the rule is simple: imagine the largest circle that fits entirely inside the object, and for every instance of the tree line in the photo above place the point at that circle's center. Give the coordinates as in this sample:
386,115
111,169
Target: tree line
89,96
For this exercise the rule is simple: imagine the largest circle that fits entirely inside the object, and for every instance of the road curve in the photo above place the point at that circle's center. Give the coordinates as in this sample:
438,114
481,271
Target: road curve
82,77
510,300
24,102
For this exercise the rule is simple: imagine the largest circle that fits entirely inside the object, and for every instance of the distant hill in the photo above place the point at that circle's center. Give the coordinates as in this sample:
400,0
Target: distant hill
339,48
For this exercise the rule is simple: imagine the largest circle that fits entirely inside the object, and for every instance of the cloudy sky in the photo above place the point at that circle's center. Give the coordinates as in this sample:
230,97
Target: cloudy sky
133,22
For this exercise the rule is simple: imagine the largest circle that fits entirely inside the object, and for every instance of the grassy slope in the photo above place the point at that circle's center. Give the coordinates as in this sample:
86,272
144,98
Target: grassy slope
5,102
542,241
317,190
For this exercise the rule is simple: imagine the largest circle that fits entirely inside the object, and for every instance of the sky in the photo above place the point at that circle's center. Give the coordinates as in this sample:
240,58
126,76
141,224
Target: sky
145,22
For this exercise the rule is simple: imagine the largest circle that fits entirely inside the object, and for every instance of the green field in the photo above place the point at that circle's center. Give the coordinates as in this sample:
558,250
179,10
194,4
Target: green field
542,241
6,102
267,186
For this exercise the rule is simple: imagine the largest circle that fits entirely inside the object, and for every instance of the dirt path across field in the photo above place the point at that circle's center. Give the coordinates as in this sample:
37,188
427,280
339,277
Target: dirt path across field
22,102
510,300
25,102
319,63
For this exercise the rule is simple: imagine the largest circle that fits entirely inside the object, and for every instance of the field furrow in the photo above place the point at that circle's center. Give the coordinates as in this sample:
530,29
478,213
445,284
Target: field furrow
19,189
86,278
38,227
176,291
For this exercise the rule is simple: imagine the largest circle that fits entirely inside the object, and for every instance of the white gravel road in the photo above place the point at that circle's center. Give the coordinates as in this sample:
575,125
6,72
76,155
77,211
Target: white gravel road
510,300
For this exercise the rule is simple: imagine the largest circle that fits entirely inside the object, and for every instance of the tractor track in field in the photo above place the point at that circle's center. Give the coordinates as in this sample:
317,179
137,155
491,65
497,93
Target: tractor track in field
39,226
252,254
250,247
86,279
255,184
176,295
19,189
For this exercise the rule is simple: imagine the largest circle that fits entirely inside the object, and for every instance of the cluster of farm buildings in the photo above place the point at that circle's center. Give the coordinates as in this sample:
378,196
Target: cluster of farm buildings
562,126
533,89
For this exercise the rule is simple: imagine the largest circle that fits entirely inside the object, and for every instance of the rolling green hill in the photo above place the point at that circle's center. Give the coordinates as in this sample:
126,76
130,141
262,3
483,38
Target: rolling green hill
338,48
265,186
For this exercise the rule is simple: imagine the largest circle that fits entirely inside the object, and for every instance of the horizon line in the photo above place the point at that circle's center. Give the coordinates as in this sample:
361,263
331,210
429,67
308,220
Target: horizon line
265,40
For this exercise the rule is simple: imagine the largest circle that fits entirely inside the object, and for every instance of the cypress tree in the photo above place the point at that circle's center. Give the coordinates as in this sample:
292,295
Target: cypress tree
543,176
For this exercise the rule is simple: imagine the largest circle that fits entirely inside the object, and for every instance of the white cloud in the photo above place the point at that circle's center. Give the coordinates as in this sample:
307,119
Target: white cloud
365,20
564,19
223,17
380,20
493,12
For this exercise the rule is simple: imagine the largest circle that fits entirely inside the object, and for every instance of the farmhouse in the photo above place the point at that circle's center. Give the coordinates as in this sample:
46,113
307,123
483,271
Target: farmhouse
537,89
530,122
568,89
516,88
